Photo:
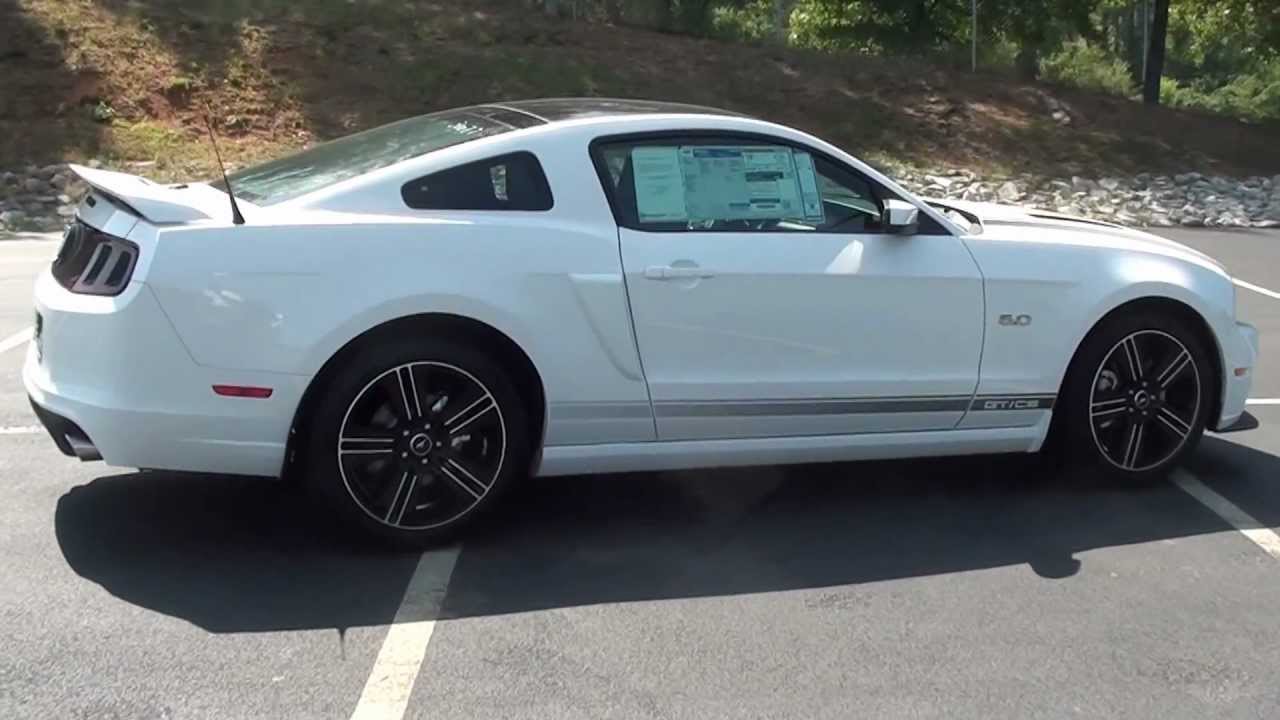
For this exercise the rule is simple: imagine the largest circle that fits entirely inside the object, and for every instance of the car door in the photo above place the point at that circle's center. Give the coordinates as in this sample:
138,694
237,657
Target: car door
768,301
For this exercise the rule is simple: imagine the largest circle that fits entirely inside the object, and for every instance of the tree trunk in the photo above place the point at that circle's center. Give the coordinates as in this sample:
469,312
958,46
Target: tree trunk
782,20
1027,62
1155,54
666,16
1129,40
613,10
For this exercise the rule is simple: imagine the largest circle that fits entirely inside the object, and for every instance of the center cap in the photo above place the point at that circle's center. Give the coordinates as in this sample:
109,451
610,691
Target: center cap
1141,400
420,444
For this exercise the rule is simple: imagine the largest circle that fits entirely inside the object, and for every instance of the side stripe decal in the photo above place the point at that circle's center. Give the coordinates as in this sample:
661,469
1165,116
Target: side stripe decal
1012,402
841,406
782,408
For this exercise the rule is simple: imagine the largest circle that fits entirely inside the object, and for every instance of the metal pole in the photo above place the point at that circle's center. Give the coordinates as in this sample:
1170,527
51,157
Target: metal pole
1146,35
973,6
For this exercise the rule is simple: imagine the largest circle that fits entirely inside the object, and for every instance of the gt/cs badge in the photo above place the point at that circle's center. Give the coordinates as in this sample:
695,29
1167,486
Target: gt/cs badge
1013,404
1015,320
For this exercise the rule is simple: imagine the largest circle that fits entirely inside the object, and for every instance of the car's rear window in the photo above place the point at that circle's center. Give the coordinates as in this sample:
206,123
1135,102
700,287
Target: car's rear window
514,181
332,162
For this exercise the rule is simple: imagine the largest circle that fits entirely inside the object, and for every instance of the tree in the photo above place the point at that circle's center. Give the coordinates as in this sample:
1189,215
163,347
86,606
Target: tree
1155,53
782,19
1038,27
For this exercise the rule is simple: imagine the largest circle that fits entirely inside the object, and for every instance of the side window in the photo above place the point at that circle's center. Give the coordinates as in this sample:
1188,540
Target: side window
507,182
733,184
848,201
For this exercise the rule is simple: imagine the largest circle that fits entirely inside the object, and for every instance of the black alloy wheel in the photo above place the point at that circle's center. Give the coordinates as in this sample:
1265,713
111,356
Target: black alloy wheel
412,441
1145,400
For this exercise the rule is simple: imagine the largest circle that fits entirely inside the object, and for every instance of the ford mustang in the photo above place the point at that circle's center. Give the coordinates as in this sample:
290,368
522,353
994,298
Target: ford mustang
412,319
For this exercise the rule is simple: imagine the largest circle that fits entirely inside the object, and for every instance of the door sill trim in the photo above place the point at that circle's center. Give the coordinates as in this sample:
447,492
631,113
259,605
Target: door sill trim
687,454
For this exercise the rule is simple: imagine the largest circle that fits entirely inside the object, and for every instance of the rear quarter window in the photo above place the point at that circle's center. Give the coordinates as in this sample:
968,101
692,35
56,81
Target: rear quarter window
514,181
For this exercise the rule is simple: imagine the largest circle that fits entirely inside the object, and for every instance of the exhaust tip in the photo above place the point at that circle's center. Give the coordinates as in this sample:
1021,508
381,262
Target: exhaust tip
67,435
83,447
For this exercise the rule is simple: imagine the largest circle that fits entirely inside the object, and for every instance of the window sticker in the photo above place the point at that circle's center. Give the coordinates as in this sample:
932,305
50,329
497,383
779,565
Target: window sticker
706,183
660,188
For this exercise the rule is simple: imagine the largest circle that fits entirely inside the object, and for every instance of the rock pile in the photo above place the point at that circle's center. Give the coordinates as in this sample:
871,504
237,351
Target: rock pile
1146,200
42,198
39,199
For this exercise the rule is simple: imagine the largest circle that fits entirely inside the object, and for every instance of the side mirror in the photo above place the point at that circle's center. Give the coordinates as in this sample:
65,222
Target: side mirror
900,217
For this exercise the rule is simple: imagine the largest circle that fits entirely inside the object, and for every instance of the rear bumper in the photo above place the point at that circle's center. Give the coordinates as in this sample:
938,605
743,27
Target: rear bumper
112,380
68,436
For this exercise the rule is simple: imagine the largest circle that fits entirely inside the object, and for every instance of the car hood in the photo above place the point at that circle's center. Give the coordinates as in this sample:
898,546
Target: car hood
1005,220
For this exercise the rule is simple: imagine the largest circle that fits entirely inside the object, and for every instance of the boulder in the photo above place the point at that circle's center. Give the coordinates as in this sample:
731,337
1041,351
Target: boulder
1082,184
1009,192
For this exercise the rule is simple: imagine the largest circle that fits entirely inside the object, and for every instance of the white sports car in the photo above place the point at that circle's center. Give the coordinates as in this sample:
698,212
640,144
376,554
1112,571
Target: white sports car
414,318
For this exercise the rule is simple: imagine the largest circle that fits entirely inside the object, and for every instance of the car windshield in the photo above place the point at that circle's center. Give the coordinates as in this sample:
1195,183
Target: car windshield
332,162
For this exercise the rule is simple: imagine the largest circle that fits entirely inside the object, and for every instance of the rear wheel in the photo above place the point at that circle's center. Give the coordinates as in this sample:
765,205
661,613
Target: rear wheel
1137,396
414,441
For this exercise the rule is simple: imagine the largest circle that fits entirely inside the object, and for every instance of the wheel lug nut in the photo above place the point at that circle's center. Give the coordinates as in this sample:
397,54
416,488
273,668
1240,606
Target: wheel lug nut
405,433
404,454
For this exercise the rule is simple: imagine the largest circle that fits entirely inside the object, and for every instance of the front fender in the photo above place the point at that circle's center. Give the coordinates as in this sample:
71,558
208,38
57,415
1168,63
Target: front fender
1067,290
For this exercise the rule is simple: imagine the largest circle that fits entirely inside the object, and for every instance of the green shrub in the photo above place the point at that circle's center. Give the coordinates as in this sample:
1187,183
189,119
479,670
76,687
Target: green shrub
753,22
1190,95
825,26
1078,64
997,54
1252,96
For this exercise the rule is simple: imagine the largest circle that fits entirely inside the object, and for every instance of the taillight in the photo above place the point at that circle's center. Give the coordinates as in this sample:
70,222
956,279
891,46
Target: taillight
94,263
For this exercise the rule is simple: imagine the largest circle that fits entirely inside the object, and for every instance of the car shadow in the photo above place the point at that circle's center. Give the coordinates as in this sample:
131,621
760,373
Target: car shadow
229,554
243,555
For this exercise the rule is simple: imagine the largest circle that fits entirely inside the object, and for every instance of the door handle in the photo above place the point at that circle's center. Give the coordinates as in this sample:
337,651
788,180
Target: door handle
684,272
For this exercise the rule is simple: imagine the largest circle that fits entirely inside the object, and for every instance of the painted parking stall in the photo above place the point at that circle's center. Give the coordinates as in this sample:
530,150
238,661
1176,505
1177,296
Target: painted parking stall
796,592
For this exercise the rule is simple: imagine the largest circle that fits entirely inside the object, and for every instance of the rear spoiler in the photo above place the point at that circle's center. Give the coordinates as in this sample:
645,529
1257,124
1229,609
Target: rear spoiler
161,204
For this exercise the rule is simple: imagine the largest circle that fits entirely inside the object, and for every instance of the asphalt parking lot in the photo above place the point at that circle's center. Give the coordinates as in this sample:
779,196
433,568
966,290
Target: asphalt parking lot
958,588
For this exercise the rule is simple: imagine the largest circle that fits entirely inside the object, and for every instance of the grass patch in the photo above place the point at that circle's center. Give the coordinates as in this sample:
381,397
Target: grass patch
276,75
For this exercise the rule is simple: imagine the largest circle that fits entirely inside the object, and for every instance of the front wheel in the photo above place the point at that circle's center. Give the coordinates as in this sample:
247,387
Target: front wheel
413,441
1137,396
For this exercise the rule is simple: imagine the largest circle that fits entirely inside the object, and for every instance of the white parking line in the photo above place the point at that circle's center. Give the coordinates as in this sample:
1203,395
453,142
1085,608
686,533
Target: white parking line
386,693
1262,401
19,338
21,430
1261,535
1257,289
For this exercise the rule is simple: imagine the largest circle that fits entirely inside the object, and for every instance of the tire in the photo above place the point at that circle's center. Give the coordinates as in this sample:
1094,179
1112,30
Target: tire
1135,421
414,441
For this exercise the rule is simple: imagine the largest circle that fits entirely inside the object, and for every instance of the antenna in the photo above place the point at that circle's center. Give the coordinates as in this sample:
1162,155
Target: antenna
236,217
